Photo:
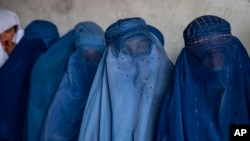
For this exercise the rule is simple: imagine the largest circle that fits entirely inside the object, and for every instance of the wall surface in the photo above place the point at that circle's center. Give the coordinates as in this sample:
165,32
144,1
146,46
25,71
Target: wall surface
170,16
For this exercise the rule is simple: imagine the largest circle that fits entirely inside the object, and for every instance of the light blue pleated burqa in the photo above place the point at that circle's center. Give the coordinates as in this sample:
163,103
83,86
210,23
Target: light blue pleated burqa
64,117
131,81
156,32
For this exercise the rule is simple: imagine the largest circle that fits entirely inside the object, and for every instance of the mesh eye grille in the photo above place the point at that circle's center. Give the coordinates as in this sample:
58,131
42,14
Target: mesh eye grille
136,46
91,55
212,58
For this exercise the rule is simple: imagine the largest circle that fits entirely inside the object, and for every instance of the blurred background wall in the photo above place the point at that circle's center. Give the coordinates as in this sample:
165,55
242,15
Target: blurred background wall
169,16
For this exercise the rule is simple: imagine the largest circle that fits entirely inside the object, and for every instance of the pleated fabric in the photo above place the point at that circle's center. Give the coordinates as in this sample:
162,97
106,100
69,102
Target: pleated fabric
45,78
211,89
131,81
63,120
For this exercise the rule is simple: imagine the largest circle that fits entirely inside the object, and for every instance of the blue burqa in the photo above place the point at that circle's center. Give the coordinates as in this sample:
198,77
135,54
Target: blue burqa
45,78
211,89
156,32
15,76
130,83
64,117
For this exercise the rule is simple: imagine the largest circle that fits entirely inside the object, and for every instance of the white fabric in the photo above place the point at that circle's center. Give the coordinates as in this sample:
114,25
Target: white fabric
9,19
18,36
3,56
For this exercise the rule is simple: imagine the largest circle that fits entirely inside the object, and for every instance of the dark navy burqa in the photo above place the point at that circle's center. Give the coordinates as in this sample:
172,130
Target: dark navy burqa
129,86
211,89
64,117
15,76
45,78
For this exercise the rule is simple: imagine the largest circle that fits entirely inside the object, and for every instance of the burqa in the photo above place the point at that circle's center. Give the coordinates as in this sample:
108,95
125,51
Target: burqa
130,83
156,32
45,78
15,76
64,117
211,89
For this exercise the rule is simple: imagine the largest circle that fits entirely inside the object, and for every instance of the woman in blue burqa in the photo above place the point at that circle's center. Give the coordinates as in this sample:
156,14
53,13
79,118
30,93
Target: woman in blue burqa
211,89
46,76
130,83
15,77
64,117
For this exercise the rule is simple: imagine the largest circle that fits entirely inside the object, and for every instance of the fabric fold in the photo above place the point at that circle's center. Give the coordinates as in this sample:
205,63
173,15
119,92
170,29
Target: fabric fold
131,80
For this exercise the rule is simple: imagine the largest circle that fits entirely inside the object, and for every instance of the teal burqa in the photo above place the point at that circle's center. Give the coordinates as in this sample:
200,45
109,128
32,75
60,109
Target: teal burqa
64,117
45,78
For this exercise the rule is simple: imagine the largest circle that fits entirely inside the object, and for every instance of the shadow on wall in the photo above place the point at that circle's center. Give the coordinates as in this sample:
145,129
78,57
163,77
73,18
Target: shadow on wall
61,6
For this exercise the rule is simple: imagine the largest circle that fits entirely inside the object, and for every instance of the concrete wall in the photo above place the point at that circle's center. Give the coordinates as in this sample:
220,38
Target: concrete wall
170,16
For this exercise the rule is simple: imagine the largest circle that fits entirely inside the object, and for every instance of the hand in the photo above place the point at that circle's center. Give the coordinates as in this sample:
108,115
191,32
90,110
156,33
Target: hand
9,47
